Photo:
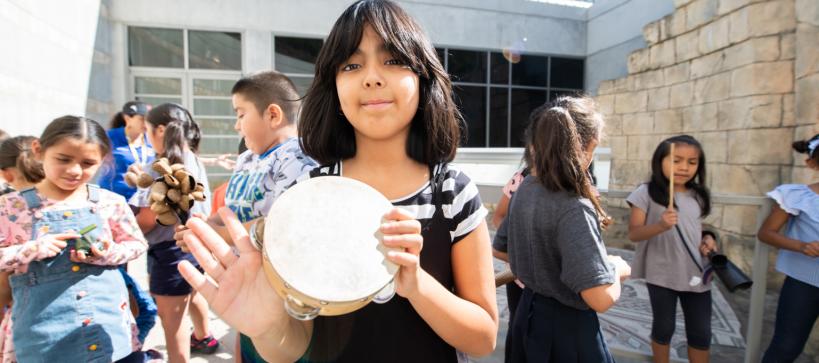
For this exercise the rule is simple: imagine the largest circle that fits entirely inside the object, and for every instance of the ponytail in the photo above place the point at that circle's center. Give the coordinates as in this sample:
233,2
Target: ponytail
556,137
181,132
810,147
117,121
17,152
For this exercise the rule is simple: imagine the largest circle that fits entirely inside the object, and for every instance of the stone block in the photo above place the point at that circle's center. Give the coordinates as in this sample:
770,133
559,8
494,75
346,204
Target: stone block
765,49
740,29
638,61
764,111
641,123
740,218
808,11
707,65
658,98
624,84
714,36
668,122
630,102
762,78
687,46
677,73
805,132
681,94
788,110
755,180
662,54
630,173
787,46
727,6
641,147
662,25
651,33
714,145
807,50
605,87
605,104
700,117
715,217
614,125
619,147
753,146
680,3
649,79
713,88
676,22
807,108
771,17
700,12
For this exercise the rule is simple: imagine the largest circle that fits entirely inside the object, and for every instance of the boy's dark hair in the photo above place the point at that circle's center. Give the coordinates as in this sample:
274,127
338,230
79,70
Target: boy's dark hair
803,147
658,185
17,152
557,134
270,87
180,130
435,130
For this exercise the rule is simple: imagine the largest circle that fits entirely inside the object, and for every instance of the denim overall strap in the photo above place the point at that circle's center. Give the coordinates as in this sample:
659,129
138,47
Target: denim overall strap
31,197
67,311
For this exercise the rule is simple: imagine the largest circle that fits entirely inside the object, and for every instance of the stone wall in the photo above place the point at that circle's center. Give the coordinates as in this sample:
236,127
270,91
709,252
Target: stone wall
739,75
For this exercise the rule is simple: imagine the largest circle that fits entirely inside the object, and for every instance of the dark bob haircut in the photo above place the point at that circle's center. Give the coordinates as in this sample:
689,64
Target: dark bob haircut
435,131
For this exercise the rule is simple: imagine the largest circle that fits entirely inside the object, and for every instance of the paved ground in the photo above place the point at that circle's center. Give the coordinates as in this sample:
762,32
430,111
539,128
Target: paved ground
738,302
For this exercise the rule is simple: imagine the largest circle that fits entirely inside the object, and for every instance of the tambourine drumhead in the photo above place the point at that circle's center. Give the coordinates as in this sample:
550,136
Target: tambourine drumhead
322,239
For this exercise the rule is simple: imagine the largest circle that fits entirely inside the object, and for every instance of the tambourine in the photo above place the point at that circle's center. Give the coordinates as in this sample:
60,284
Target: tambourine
322,247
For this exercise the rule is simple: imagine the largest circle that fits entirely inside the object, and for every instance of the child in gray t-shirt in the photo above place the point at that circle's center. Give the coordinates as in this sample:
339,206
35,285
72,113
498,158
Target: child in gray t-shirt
671,246
552,233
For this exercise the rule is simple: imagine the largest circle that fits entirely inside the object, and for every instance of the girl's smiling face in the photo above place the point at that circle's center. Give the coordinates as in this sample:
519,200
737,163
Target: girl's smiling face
70,163
377,92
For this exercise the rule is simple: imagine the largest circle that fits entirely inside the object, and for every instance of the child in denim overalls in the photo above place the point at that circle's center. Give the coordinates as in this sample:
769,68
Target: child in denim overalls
69,305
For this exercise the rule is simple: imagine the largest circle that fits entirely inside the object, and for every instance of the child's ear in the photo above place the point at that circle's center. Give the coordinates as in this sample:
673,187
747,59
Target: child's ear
275,115
8,175
36,149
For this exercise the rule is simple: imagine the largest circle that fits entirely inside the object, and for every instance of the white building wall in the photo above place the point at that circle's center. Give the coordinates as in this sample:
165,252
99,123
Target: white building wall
614,30
44,71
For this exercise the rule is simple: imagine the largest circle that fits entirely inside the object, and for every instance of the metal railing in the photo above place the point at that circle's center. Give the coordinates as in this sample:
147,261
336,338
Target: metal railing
753,336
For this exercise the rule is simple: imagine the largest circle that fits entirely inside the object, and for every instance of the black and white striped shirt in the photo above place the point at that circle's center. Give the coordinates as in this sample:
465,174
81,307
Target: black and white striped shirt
460,202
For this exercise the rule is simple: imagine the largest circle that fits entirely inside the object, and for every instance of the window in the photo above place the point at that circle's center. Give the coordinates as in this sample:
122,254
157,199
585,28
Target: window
197,69
296,58
215,50
496,95
153,47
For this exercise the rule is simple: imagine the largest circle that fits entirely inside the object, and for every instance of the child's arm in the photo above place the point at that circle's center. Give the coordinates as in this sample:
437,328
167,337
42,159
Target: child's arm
769,233
602,297
5,289
638,231
467,321
14,257
128,241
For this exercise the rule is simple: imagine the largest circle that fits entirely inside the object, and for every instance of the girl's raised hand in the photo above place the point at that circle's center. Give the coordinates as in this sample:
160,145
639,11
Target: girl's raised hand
403,231
811,249
237,289
668,219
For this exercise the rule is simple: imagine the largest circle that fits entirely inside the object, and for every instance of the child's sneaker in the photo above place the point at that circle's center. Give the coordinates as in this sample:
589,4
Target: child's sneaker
208,345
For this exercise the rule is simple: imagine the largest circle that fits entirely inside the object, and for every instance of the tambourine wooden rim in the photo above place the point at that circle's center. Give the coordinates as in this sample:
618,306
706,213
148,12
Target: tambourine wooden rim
361,209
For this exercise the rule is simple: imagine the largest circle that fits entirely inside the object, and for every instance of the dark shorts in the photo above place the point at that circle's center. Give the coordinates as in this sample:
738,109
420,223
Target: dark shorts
546,331
165,279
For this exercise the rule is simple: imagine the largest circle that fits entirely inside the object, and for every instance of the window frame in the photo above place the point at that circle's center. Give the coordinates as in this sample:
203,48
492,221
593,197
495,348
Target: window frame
509,87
